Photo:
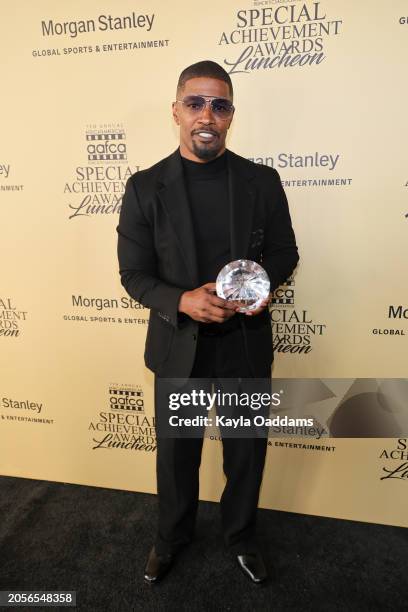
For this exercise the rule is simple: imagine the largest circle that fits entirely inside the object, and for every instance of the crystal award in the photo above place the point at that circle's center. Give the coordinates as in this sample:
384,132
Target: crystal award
244,282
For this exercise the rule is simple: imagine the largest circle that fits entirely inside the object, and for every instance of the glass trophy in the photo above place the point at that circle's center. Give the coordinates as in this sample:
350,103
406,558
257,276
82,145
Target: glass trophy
244,282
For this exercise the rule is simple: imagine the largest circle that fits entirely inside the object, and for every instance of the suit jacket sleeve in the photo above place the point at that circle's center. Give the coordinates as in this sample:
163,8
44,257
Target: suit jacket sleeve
138,261
280,253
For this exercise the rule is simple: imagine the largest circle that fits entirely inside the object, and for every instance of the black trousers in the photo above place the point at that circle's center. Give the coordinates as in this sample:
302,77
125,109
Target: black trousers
178,461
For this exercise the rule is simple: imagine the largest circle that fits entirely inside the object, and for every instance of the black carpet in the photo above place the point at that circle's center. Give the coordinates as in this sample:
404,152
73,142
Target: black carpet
57,536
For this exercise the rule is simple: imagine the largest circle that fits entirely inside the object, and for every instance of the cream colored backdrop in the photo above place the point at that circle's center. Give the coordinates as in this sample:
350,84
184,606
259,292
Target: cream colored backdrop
76,402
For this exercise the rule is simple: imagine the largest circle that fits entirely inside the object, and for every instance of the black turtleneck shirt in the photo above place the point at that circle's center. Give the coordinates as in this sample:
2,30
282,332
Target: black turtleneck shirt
207,190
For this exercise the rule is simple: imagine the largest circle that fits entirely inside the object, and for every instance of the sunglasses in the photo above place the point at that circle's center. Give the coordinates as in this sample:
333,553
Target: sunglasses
220,107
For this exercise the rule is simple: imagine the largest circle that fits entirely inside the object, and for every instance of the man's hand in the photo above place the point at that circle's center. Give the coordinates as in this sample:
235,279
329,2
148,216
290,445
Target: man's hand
260,308
203,305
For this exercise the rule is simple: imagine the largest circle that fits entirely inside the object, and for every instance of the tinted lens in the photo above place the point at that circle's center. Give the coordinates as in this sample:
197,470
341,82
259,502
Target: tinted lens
194,103
221,107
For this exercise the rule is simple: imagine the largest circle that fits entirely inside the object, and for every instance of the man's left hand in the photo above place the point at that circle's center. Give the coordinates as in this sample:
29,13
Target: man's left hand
261,307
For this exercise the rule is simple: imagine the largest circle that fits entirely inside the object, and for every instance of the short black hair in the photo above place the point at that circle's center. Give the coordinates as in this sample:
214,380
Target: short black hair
206,68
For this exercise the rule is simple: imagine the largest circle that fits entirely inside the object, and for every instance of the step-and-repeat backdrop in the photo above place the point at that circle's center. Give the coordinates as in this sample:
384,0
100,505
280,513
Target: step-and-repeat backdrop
320,95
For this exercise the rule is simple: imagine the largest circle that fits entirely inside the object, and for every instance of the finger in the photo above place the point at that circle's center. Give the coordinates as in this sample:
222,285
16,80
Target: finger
257,310
220,314
228,313
220,302
211,287
235,304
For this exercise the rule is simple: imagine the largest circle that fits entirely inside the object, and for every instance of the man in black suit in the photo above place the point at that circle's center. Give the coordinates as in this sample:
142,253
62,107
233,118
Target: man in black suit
180,222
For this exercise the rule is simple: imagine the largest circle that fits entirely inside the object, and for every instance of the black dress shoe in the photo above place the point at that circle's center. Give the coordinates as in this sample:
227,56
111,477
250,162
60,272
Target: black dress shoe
157,566
253,566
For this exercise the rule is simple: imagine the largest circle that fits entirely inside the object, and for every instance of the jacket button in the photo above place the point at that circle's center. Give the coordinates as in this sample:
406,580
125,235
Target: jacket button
194,336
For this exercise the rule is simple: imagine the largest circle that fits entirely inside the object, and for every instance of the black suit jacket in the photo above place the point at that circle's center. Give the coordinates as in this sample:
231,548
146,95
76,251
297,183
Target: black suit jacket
157,255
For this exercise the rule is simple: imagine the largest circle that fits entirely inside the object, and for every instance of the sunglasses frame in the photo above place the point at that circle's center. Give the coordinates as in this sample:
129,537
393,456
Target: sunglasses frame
209,101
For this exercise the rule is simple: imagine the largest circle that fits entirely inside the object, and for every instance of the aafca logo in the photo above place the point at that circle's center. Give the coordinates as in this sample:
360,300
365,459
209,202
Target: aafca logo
123,424
284,295
106,143
293,330
97,187
121,398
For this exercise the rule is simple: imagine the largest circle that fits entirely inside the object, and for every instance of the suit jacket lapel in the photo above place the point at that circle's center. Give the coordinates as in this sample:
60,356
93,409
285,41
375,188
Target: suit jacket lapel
242,205
173,196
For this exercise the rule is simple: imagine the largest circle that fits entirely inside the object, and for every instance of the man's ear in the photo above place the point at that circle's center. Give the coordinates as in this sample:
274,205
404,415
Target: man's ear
175,113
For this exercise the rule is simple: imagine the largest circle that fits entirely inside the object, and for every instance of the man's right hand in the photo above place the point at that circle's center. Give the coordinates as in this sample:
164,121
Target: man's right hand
203,305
